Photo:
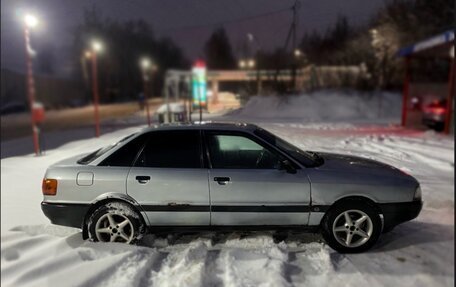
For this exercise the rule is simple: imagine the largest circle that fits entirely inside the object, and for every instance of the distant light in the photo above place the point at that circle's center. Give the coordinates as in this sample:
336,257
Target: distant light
145,63
242,64
251,63
199,63
88,54
30,20
297,52
452,52
97,46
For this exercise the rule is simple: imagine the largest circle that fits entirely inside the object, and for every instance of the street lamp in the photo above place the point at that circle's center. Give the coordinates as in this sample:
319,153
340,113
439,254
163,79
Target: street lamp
147,66
97,47
88,54
31,22
297,53
251,63
242,64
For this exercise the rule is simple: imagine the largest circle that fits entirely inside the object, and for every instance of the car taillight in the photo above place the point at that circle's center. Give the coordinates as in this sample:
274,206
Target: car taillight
439,111
49,186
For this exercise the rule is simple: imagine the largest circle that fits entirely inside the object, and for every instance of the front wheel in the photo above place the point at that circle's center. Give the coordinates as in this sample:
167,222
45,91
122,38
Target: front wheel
115,222
352,226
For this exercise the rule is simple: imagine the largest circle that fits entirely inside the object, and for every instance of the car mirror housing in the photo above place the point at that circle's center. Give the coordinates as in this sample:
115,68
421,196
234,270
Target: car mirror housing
287,166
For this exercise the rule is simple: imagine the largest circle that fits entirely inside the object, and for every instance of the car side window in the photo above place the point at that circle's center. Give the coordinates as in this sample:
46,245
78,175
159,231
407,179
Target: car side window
239,152
125,155
171,149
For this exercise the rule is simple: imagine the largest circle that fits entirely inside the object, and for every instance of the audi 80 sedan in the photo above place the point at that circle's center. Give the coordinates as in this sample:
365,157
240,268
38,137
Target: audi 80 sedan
226,175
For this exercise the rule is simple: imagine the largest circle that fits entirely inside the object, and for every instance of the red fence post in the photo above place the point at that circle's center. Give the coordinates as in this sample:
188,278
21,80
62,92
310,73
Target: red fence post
31,91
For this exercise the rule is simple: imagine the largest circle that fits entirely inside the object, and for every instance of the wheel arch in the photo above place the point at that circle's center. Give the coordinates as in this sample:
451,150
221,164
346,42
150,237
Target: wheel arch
358,198
363,198
111,197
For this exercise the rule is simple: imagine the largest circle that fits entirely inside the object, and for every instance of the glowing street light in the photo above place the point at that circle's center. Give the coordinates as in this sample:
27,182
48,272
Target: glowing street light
297,53
251,63
97,46
88,54
145,63
30,21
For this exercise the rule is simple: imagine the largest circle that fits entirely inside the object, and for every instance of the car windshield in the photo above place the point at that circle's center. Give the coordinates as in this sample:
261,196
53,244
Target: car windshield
99,152
308,159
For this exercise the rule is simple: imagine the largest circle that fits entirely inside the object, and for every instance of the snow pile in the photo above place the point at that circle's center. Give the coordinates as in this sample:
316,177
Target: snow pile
324,106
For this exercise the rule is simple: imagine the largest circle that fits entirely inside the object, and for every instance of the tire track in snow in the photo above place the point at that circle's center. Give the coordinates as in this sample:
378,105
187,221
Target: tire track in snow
182,268
133,269
262,266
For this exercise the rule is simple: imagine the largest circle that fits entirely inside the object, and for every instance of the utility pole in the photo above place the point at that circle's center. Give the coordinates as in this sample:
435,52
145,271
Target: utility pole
291,34
295,8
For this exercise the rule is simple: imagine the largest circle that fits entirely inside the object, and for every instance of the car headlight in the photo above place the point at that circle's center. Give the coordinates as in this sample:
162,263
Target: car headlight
417,195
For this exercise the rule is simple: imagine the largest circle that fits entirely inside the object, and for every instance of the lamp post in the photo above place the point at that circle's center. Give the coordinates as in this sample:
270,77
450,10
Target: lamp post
31,22
247,64
147,66
96,48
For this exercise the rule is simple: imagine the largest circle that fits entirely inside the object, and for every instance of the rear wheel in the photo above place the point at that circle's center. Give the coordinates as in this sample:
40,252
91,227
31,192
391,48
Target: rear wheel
115,222
351,226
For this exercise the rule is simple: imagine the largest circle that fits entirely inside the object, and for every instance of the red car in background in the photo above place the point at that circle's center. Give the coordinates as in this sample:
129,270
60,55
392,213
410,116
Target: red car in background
434,114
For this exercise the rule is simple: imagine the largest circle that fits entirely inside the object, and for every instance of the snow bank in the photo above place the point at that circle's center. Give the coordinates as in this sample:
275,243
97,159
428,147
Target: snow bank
324,106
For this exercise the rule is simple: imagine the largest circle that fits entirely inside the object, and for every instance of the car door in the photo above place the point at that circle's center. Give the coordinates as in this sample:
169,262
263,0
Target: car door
247,187
169,179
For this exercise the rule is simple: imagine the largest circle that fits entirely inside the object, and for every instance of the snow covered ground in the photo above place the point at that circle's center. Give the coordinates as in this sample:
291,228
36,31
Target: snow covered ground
416,253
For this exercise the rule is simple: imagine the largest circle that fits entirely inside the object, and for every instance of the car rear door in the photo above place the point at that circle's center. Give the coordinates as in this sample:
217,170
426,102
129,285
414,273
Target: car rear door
169,179
247,187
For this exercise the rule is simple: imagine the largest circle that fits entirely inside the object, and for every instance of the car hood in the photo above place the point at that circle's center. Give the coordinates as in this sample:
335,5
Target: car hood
356,164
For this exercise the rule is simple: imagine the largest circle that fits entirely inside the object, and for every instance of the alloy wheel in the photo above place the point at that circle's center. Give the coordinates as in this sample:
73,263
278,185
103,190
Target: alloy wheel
352,228
114,228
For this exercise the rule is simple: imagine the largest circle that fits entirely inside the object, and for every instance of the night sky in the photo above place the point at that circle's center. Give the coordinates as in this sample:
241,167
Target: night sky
188,22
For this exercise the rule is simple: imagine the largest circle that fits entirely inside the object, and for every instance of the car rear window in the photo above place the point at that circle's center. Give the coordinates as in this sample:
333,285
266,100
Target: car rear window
126,154
99,152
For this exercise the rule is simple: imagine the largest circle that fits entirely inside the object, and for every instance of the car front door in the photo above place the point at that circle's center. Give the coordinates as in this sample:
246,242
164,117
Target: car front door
247,187
169,179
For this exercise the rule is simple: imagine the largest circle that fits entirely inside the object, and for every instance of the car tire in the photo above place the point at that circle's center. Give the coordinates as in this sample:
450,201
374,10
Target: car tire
357,233
116,222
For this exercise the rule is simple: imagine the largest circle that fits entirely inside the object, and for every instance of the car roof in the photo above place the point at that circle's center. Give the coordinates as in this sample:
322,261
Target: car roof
206,125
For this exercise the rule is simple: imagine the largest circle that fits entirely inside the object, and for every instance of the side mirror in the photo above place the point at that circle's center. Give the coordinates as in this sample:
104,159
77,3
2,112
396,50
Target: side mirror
287,166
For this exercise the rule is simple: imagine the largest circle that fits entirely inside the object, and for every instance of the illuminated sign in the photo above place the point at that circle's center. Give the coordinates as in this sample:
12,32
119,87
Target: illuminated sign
199,89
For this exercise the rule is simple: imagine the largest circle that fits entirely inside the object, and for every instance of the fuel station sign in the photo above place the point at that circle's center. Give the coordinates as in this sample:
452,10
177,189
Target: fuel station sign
199,84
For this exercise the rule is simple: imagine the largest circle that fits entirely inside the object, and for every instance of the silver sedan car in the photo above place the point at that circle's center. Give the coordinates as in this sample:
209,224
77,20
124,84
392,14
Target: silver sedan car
226,176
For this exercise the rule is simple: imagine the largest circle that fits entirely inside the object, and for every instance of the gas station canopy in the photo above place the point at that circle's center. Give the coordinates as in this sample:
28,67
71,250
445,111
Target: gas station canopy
437,46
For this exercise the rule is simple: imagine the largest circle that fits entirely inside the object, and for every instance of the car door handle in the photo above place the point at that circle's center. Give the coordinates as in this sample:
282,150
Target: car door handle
142,178
222,180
